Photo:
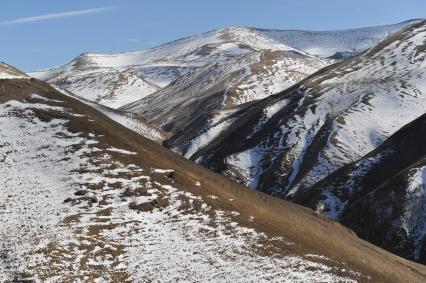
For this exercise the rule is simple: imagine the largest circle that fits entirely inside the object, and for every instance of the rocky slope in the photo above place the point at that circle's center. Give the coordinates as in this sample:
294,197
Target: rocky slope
118,79
86,199
382,196
336,116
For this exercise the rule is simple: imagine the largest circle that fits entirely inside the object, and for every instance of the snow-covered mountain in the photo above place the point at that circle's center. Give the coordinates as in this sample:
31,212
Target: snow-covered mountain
329,43
118,79
222,85
382,196
112,87
338,115
86,199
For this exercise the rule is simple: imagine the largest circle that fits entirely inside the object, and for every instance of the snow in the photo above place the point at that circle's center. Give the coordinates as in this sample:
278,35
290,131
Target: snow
132,122
122,151
76,222
279,71
31,199
268,113
39,97
163,171
247,164
206,137
4,75
412,219
112,88
275,108
407,213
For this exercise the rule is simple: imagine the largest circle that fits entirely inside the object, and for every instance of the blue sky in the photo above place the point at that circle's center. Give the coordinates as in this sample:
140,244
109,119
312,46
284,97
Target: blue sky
39,34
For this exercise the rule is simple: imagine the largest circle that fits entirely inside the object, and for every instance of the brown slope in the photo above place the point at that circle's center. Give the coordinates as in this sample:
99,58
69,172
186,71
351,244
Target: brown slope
311,233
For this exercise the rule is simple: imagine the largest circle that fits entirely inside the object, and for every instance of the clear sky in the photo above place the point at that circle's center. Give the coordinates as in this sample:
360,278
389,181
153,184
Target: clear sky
39,34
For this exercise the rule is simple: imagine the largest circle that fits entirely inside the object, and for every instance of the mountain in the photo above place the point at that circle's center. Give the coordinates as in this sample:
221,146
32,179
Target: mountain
381,196
295,138
222,85
115,80
329,43
118,79
86,199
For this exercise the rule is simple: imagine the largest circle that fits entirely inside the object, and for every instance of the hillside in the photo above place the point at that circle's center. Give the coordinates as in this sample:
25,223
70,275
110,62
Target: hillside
86,199
297,137
382,196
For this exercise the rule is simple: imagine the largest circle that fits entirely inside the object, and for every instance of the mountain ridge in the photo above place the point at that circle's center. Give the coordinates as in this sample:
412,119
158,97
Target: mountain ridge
406,22
140,73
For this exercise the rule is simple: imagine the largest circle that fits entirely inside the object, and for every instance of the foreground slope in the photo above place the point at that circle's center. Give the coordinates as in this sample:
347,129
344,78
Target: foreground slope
87,199
382,196
118,79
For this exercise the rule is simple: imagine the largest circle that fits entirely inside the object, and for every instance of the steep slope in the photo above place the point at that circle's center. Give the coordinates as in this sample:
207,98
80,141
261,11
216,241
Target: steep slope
222,85
117,79
382,196
338,115
86,199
